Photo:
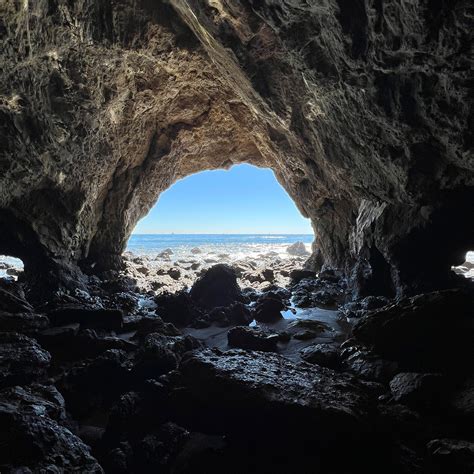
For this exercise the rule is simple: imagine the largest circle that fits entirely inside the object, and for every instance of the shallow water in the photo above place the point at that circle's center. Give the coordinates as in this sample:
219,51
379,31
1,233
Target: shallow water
337,331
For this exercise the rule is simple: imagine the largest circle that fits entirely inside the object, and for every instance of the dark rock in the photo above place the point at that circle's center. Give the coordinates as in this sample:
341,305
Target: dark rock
418,390
252,339
325,355
217,287
268,308
26,323
174,273
262,392
462,401
446,456
235,314
413,330
111,319
95,385
35,399
297,275
66,343
154,324
11,303
268,274
367,364
160,354
22,360
33,440
177,308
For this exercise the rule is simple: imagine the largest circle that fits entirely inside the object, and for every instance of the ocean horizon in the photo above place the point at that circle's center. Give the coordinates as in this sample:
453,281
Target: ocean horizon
235,246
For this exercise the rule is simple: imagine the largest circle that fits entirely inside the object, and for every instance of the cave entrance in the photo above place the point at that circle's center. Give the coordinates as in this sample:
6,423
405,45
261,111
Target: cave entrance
466,269
10,267
225,216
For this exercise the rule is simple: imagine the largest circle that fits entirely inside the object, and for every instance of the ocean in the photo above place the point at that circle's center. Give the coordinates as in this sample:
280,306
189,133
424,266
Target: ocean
236,246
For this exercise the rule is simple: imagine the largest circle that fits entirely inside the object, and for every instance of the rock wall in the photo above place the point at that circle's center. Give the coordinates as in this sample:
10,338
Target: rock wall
361,107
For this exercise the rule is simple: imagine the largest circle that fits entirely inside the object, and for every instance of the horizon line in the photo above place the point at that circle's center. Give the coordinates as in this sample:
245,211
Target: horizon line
220,233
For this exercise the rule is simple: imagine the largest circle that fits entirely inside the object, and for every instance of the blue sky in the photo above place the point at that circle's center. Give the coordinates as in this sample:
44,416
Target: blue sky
242,200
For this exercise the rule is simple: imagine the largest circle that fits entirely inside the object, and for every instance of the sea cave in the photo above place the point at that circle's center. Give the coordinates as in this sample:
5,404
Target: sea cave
351,353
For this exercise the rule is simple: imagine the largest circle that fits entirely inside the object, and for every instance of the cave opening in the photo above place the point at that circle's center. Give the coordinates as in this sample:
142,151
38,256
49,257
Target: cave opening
10,267
466,269
224,215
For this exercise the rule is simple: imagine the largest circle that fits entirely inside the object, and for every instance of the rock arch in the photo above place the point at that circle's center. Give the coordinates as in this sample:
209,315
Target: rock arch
104,104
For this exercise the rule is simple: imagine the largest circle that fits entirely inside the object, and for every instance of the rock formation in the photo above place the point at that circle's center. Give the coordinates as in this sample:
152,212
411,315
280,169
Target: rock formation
361,108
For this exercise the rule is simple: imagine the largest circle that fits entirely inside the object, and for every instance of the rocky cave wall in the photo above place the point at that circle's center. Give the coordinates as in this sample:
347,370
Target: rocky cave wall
361,107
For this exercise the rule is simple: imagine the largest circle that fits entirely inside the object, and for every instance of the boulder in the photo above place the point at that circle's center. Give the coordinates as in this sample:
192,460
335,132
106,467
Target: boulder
448,456
262,395
22,360
235,314
325,355
419,391
366,364
33,440
177,308
298,249
299,274
413,331
217,287
268,308
96,384
253,339
196,250
160,354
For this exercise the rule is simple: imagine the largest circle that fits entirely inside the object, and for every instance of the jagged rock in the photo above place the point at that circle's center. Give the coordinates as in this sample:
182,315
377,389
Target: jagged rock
33,439
26,323
418,390
446,456
22,360
366,364
325,355
413,331
96,384
160,354
177,308
253,339
268,308
35,399
298,249
217,287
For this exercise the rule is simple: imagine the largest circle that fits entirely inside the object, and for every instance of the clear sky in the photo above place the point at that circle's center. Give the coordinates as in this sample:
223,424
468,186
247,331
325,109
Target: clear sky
242,200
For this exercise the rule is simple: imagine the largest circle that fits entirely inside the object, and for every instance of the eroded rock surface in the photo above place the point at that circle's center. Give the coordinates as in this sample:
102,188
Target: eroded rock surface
361,109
